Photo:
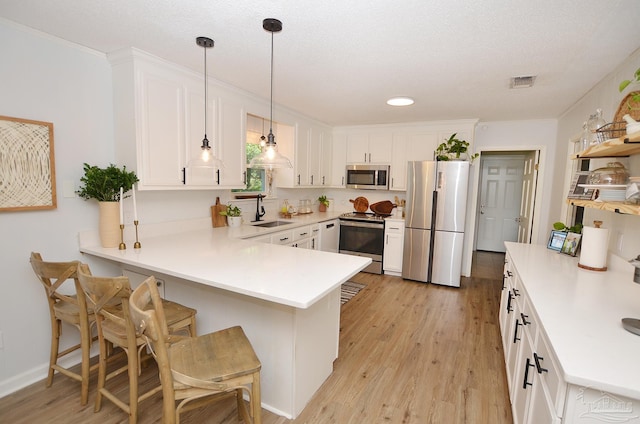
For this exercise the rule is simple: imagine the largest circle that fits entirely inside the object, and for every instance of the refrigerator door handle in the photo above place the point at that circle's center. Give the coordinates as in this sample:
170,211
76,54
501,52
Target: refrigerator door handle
439,183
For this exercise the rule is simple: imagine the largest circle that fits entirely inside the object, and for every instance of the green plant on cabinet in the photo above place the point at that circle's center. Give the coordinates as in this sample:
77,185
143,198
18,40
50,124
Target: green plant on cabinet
454,149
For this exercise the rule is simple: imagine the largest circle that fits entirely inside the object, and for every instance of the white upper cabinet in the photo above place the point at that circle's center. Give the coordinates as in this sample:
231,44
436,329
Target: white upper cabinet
159,125
371,147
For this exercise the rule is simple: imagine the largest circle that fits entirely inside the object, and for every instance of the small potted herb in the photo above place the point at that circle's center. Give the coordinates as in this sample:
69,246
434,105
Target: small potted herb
454,149
233,214
323,203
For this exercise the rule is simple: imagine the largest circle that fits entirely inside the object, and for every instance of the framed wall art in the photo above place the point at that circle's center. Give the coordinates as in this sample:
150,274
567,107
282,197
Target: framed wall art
27,166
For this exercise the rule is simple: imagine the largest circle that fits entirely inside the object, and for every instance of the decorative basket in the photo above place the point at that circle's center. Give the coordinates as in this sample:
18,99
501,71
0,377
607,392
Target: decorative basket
628,106
611,130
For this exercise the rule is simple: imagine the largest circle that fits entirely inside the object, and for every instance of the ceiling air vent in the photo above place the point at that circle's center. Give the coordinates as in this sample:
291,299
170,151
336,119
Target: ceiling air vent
522,82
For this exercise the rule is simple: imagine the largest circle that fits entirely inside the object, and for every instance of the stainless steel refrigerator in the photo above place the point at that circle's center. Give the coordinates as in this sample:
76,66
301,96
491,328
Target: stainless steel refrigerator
434,221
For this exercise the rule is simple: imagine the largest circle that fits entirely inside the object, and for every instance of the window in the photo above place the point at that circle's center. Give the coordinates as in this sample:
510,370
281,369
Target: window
256,178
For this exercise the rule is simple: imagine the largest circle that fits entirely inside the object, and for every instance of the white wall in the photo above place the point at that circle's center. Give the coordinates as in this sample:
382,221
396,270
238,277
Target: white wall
525,135
624,230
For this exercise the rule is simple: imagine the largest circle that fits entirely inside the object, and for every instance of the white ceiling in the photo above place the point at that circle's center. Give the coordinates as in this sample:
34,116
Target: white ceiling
339,60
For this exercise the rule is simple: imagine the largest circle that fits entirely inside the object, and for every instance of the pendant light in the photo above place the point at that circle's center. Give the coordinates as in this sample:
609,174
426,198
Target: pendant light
270,158
206,159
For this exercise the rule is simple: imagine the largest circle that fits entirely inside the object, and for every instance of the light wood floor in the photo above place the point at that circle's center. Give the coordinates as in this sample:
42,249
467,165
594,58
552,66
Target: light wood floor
409,353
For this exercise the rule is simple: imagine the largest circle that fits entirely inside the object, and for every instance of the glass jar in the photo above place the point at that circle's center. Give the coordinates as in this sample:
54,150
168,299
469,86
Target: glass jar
594,123
584,138
613,173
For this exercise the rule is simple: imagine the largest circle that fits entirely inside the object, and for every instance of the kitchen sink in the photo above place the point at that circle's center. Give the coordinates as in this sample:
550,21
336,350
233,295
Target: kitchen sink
272,224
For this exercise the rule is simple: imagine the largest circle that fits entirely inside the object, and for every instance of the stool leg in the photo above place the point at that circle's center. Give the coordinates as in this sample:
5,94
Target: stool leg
56,329
102,370
132,370
85,346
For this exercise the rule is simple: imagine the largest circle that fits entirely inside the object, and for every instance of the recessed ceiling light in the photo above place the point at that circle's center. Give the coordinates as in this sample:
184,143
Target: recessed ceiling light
400,101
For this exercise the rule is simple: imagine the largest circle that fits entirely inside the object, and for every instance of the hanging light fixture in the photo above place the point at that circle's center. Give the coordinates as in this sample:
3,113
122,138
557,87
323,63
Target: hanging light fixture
206,159
270,158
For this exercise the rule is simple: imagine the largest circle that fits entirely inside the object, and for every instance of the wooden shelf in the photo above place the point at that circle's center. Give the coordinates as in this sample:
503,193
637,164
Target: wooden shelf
616,147
618,207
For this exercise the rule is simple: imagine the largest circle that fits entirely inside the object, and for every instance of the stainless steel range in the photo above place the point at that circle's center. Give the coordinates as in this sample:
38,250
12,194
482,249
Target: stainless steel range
362,234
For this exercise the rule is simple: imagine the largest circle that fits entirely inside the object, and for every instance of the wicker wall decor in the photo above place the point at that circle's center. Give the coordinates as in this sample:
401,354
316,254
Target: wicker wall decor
27,167
628,106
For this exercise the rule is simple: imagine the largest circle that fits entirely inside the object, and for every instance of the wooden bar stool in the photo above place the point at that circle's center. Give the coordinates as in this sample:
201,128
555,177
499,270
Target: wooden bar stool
227,363
68,308
109,297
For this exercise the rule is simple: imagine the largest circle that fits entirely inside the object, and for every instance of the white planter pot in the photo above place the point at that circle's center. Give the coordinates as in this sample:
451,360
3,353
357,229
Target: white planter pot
234,221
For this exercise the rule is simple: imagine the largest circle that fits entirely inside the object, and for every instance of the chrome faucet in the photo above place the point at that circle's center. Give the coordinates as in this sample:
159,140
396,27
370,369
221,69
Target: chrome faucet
259,209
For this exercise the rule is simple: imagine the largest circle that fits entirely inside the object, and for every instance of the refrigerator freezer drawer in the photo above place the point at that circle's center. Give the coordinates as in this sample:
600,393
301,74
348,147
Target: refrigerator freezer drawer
447,258
415,261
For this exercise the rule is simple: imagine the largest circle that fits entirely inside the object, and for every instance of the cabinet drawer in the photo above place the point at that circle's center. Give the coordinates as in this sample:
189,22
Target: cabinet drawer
301,233
527,317
282,237
550,372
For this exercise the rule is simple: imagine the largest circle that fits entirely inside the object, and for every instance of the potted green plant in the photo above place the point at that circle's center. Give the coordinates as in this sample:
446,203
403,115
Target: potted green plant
560,226
624,84
233,214
103,185
323,203
454,149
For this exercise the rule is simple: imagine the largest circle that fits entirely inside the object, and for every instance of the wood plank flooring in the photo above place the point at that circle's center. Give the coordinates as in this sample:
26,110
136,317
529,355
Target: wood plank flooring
409,353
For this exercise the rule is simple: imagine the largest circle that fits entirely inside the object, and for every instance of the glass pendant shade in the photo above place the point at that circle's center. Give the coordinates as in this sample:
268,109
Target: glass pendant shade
270,158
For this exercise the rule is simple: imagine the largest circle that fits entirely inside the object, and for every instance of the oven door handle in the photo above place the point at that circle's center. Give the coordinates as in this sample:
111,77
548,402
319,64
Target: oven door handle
362,224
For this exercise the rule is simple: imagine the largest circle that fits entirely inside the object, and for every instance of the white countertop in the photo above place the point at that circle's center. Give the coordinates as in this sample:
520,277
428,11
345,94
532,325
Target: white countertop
217,257
580,312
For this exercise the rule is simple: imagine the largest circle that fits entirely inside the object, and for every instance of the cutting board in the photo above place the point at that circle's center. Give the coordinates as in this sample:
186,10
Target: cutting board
361,204
218,220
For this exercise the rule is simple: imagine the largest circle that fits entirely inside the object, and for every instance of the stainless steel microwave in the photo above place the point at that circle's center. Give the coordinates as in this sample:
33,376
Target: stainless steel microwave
368,177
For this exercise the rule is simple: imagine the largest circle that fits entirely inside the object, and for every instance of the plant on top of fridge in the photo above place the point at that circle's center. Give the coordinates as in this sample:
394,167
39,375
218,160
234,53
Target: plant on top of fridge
454,149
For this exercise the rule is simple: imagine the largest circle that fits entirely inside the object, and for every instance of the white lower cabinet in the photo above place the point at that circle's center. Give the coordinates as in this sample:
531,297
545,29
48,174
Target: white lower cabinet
306,237
393,246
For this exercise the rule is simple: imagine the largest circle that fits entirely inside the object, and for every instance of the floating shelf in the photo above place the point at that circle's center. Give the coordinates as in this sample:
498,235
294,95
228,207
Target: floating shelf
618,207
616,147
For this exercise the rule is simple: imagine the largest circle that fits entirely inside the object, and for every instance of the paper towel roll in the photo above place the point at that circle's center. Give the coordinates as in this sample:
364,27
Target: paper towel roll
595,243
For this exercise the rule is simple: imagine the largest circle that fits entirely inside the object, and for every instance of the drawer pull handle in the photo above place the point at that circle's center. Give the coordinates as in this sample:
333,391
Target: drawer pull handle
516,292
524,319
509,273
538,366
509,308
284,239
515,332
525,383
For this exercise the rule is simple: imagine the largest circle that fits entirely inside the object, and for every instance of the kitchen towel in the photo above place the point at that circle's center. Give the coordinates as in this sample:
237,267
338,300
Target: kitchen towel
595,241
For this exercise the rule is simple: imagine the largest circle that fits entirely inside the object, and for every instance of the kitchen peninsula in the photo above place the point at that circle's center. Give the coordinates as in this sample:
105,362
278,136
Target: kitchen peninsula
286,299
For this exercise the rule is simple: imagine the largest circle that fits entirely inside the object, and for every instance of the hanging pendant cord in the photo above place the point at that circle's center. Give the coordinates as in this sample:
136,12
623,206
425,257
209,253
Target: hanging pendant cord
271,117
205,92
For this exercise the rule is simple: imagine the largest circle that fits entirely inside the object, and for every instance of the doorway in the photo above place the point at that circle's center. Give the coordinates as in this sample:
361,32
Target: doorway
506,198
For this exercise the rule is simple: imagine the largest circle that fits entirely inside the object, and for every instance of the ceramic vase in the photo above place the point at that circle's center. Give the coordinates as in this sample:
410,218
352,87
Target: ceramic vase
234,221
109,224
322,207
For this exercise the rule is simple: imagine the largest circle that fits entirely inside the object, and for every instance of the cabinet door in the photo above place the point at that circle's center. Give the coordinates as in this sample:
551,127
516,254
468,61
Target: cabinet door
339,160
301,165
393,246
161,144
194,133
357,148
326,160
399,163
380,145
314,157
422,145
232,139
525,374
541,409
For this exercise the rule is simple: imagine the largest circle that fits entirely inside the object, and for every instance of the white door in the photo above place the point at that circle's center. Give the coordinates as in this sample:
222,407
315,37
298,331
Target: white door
500,200
529,181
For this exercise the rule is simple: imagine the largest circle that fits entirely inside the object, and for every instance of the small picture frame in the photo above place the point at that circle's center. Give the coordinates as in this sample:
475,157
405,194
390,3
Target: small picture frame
556,240
571,244
577,192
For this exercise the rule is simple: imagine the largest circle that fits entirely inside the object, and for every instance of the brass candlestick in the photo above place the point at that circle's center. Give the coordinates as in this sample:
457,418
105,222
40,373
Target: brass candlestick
122,246
137,244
